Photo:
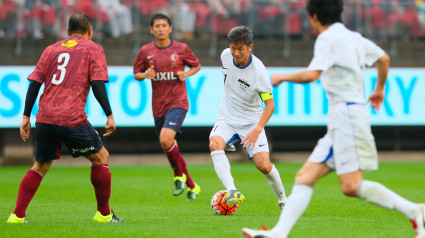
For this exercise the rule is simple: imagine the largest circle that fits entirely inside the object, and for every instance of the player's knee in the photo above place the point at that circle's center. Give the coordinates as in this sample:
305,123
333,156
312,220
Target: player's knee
264,166
166,142
215,144
102,157
303,177
349,189
42,168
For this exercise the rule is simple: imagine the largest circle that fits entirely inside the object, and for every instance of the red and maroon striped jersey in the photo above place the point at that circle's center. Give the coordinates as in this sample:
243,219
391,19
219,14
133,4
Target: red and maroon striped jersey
167,90
66,68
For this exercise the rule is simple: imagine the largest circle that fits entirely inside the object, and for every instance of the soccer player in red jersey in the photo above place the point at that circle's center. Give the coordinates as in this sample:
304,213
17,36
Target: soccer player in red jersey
163,61
68,68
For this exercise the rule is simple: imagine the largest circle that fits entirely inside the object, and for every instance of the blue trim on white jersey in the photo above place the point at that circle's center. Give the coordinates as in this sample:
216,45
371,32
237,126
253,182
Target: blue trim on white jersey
354,103
250,60
330,154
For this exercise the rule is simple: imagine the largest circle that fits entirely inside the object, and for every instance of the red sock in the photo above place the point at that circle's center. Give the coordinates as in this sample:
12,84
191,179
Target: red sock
27,189
172,154
189,181
101,180
178,164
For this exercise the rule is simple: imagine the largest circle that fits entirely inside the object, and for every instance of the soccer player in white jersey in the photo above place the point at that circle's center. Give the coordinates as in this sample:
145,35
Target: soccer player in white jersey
340,56
241,117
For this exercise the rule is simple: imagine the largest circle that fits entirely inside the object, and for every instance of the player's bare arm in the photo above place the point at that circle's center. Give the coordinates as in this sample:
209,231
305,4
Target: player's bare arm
377,96
149,74
183,75
307,76
250,139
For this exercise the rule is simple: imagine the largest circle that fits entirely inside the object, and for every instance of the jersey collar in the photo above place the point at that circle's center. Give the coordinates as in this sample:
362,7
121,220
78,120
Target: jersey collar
250,60
171,42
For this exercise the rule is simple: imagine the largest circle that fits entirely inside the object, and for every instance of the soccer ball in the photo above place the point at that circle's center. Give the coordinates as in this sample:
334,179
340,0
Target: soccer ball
219,207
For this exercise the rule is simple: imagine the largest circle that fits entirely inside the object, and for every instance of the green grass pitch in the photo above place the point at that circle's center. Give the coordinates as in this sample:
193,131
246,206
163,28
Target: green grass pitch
64,204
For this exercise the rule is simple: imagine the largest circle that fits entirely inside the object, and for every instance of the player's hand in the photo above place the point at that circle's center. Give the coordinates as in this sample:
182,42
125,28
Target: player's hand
110,125
249,141
150,73
376,98
181,75
25,128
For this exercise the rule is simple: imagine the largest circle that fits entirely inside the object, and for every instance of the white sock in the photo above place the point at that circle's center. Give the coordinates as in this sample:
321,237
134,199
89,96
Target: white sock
297,203
222,168
276,183
378,194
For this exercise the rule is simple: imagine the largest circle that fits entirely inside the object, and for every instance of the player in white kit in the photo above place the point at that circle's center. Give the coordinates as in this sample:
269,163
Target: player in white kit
340,56
241,117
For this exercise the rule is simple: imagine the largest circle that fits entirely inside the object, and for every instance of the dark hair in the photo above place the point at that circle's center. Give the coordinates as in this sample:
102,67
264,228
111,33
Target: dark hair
160,16
327,11
79,22
240,34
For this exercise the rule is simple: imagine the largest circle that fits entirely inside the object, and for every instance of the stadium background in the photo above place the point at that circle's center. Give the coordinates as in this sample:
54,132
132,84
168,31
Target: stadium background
283,38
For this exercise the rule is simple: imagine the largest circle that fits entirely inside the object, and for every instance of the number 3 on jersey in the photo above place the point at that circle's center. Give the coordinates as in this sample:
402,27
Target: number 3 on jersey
65,58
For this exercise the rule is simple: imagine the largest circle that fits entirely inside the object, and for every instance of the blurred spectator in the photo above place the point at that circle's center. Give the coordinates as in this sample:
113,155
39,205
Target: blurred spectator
120,20
408,22
7,18
378,21
203,17
268,18
420,5
184,19
149,7
226,15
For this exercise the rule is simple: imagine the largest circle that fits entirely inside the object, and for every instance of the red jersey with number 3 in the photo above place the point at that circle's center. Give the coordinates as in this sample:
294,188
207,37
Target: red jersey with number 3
167,90
66,68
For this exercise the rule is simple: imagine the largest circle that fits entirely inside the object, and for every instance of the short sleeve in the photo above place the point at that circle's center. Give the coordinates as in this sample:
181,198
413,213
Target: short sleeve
372,52
139,63
189,58
323,57
98,69
263,84
39,72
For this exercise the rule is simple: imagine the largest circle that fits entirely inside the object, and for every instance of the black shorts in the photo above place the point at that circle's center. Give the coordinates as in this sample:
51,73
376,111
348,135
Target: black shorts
173,119
83,140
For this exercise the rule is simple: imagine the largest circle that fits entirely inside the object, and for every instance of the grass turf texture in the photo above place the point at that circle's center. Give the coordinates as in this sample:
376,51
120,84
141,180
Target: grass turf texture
65,205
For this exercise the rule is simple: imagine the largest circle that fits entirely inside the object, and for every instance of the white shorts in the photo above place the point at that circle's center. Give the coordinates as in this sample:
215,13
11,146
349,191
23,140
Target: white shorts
348,145
231,135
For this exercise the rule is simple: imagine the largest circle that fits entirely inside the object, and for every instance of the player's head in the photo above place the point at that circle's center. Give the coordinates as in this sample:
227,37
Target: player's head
161,26
325,12
241,43
81,24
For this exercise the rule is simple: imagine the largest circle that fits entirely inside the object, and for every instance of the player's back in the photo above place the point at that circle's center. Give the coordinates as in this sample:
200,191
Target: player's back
347,54
66,68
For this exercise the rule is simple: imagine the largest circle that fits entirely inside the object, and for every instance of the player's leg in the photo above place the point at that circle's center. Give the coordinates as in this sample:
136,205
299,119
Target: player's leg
262,162
298,201
167,129
355,151
100,177
27,190
47,149
85,141
353,184
318,165
220,133
221,137
261,156
101,180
